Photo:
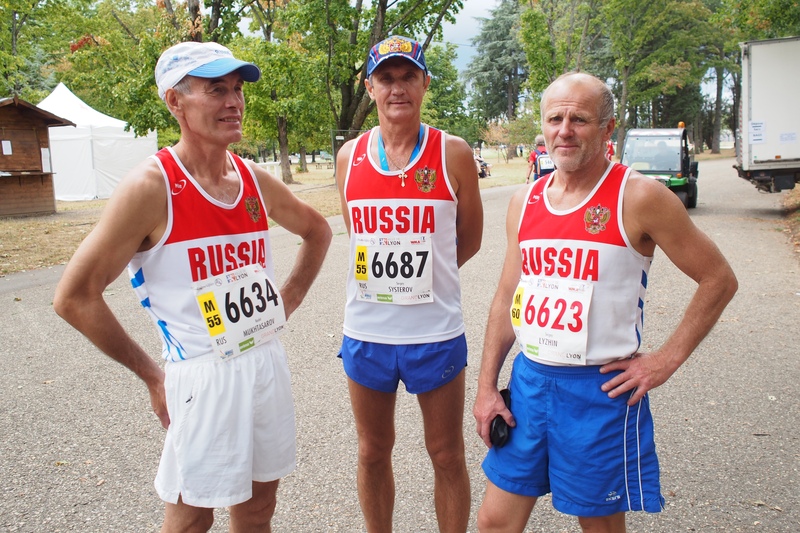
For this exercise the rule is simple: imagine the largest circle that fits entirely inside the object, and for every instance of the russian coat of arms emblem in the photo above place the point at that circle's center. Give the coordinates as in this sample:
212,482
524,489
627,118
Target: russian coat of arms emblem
426,179
253,208
596,218
394,45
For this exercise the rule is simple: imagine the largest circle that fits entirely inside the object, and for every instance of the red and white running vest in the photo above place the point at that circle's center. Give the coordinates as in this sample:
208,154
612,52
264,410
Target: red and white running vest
203,238
586,243
402,284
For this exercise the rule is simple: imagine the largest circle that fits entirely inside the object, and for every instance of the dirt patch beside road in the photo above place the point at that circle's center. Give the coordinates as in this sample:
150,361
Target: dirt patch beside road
792,204
28,243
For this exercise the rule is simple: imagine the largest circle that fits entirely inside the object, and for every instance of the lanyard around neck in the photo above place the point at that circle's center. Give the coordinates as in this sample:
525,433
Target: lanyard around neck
382,149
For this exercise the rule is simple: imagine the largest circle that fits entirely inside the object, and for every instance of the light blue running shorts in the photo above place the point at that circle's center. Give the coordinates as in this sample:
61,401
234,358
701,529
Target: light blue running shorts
421,367
595,454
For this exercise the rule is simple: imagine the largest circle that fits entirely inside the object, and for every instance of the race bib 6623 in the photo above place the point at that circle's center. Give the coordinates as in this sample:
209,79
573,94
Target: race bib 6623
550,318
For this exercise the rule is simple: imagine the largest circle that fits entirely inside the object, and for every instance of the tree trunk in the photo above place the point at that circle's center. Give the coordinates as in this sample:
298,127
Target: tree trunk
653,114
283,143
736,126
718,111
622,113
16,89
697,135
303,164
215,17
171,13
510,97
196,30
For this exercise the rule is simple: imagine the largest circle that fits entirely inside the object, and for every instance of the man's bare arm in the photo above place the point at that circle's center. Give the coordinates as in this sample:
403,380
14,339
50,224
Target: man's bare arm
342,160
696,255
463,174
130,220
499,336
297,217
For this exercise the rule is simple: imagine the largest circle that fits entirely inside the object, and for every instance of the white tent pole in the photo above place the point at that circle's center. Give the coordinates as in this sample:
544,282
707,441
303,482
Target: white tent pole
94,165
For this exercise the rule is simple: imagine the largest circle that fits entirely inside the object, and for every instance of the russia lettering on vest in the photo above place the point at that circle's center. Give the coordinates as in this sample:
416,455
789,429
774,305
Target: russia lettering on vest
217,259
577,263
403,219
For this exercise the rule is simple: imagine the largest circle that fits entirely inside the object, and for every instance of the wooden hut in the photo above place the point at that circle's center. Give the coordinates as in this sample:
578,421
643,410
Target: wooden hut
26,176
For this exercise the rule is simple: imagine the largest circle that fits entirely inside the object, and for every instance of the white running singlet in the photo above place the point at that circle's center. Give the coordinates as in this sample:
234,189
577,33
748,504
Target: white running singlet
581,293
203,238
402,284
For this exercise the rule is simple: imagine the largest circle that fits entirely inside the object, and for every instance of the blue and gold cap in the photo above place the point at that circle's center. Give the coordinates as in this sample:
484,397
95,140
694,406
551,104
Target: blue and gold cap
396,46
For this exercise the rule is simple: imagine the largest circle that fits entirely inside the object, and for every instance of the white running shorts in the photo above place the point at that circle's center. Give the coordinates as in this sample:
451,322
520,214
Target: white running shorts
231,423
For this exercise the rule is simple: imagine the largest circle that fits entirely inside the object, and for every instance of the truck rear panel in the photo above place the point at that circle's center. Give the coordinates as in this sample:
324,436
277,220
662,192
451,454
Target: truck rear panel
769,125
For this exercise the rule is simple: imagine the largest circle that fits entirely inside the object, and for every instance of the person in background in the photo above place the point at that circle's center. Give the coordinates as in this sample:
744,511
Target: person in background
484,168
539,162
412,207
191,224
571,295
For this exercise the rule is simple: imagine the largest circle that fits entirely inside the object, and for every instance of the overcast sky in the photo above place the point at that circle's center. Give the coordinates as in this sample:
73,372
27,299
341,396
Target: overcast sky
465,28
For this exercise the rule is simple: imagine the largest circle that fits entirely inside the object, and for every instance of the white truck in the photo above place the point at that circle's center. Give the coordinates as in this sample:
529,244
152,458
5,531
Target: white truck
768,140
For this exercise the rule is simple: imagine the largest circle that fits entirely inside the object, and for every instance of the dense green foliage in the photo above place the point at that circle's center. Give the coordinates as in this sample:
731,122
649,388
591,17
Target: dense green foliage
444,105
499,70
657,55
660,56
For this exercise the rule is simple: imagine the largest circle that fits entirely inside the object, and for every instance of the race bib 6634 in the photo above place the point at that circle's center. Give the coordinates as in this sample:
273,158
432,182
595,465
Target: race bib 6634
241,310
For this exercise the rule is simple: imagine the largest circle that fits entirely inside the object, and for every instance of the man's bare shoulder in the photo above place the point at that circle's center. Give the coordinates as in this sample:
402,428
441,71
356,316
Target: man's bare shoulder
635,175
642,191
454,143
342,160
517,201
133,220
263,176
139,203
344,152
647,204
275,192
142,186
460,162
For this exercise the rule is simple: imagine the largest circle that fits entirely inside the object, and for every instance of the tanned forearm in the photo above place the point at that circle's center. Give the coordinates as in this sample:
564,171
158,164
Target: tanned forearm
307,265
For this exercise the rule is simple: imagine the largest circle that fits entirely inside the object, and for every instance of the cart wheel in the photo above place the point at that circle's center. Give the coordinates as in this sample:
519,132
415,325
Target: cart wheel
692,202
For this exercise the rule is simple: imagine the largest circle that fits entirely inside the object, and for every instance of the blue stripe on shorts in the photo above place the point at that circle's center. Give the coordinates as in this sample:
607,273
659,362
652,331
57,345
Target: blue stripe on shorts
595,454
421,367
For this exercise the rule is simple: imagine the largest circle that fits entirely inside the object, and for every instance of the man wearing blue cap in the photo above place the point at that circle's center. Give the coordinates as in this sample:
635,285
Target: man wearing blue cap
412,206
190,222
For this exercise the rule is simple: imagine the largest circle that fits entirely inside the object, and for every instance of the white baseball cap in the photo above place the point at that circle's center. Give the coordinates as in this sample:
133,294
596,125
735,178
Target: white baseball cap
204,60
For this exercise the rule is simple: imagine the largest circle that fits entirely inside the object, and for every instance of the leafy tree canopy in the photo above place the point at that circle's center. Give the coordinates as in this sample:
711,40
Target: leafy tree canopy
499,68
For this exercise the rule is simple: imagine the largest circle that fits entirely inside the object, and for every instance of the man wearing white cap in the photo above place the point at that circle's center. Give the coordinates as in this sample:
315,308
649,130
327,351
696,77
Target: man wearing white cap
412,206
191,225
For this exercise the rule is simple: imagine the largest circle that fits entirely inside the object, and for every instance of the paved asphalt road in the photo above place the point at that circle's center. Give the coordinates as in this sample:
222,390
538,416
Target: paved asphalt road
79,446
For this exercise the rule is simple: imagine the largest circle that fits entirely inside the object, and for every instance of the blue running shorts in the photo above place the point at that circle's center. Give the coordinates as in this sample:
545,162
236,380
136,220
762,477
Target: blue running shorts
595,454
421,367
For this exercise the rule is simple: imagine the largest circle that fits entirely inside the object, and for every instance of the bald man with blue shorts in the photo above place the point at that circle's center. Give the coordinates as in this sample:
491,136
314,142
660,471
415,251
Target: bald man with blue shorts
571,297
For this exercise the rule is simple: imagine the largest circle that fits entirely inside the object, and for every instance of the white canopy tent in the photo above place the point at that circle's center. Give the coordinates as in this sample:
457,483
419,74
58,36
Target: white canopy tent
90,159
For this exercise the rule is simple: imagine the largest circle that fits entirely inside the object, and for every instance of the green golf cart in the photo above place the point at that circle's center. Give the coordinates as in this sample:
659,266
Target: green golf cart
664,155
